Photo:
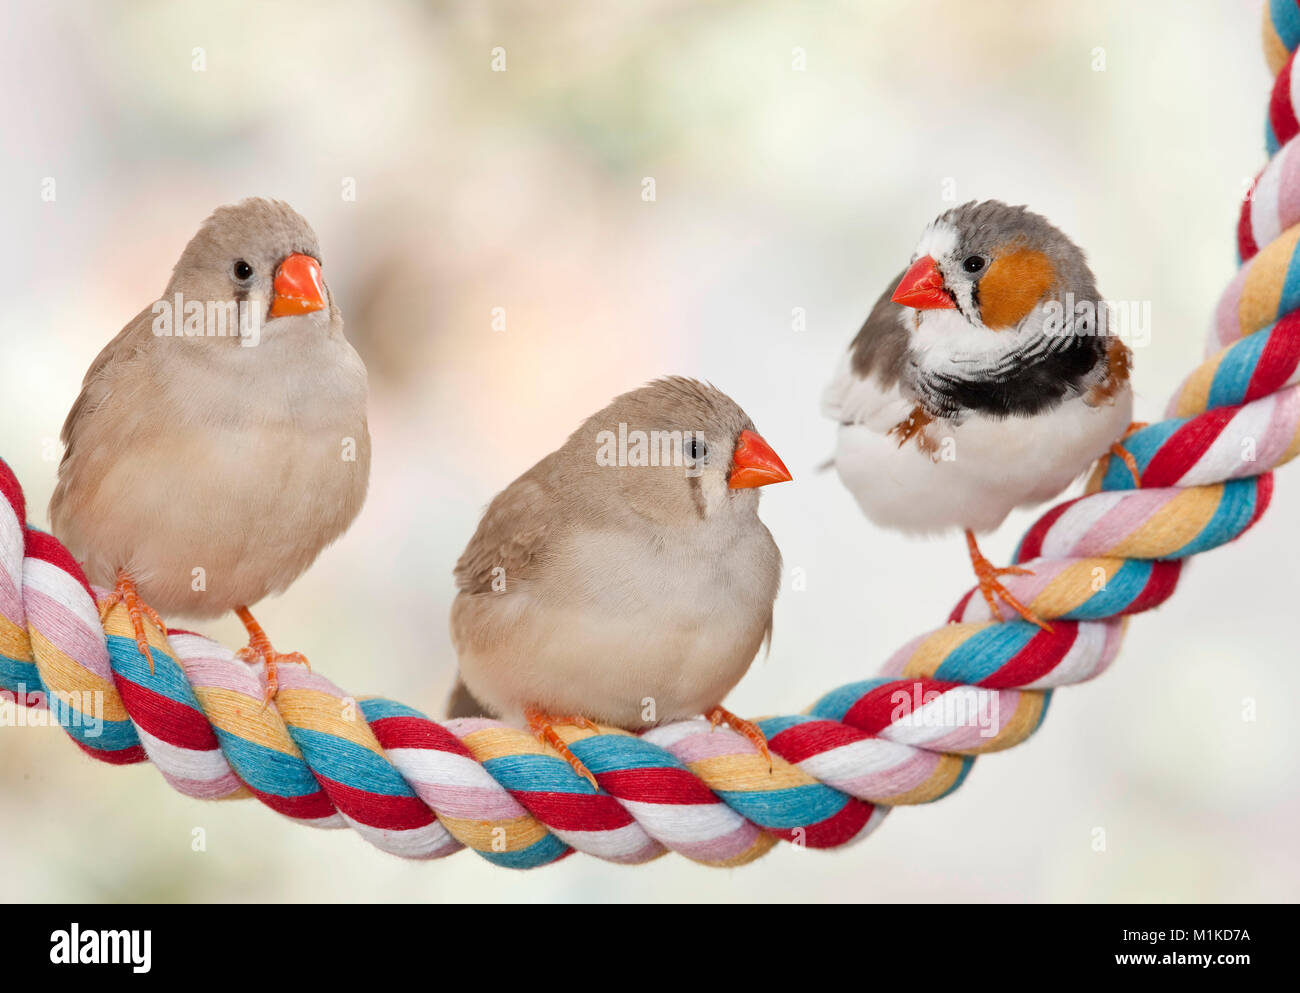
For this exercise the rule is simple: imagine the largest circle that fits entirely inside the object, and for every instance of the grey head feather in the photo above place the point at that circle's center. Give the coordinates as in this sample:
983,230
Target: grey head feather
991,226
232,228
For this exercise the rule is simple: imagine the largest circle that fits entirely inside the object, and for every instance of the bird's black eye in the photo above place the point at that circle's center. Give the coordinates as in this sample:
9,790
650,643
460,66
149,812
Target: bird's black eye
697,450
242,270
973,263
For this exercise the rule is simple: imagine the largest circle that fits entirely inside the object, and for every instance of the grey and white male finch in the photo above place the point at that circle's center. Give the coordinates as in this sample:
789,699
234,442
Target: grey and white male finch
984,379
625,578
201,474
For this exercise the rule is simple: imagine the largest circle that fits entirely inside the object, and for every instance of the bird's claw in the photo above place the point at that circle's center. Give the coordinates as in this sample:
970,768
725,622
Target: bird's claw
271,660
986,573
994,591
1125,456
746,729
125,593
914,426
543,724
259,649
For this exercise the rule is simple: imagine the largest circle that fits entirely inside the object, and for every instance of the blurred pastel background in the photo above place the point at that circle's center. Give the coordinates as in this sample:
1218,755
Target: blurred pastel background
776,188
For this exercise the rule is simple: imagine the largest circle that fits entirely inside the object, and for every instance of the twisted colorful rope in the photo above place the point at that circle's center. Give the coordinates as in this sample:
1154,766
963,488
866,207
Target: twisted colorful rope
423,789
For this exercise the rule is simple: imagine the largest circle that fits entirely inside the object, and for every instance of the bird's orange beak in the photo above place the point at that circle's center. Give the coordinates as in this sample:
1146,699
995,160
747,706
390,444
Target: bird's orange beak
755,464
298,287
922,287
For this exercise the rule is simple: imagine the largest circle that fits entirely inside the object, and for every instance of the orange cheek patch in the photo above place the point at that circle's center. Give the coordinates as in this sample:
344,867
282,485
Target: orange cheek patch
1012,287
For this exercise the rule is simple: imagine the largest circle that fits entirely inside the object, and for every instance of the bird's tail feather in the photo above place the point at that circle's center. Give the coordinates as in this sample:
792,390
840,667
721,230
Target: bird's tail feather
461,703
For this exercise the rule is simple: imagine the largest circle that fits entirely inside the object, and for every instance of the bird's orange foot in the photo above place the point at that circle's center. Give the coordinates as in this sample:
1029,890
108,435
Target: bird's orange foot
124,592
915,427
748,729
1125,456
987,574
259,650
543,726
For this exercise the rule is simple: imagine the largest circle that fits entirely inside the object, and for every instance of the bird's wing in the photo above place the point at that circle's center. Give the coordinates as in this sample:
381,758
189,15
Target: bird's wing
114,401
513,531
101,377
869,385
